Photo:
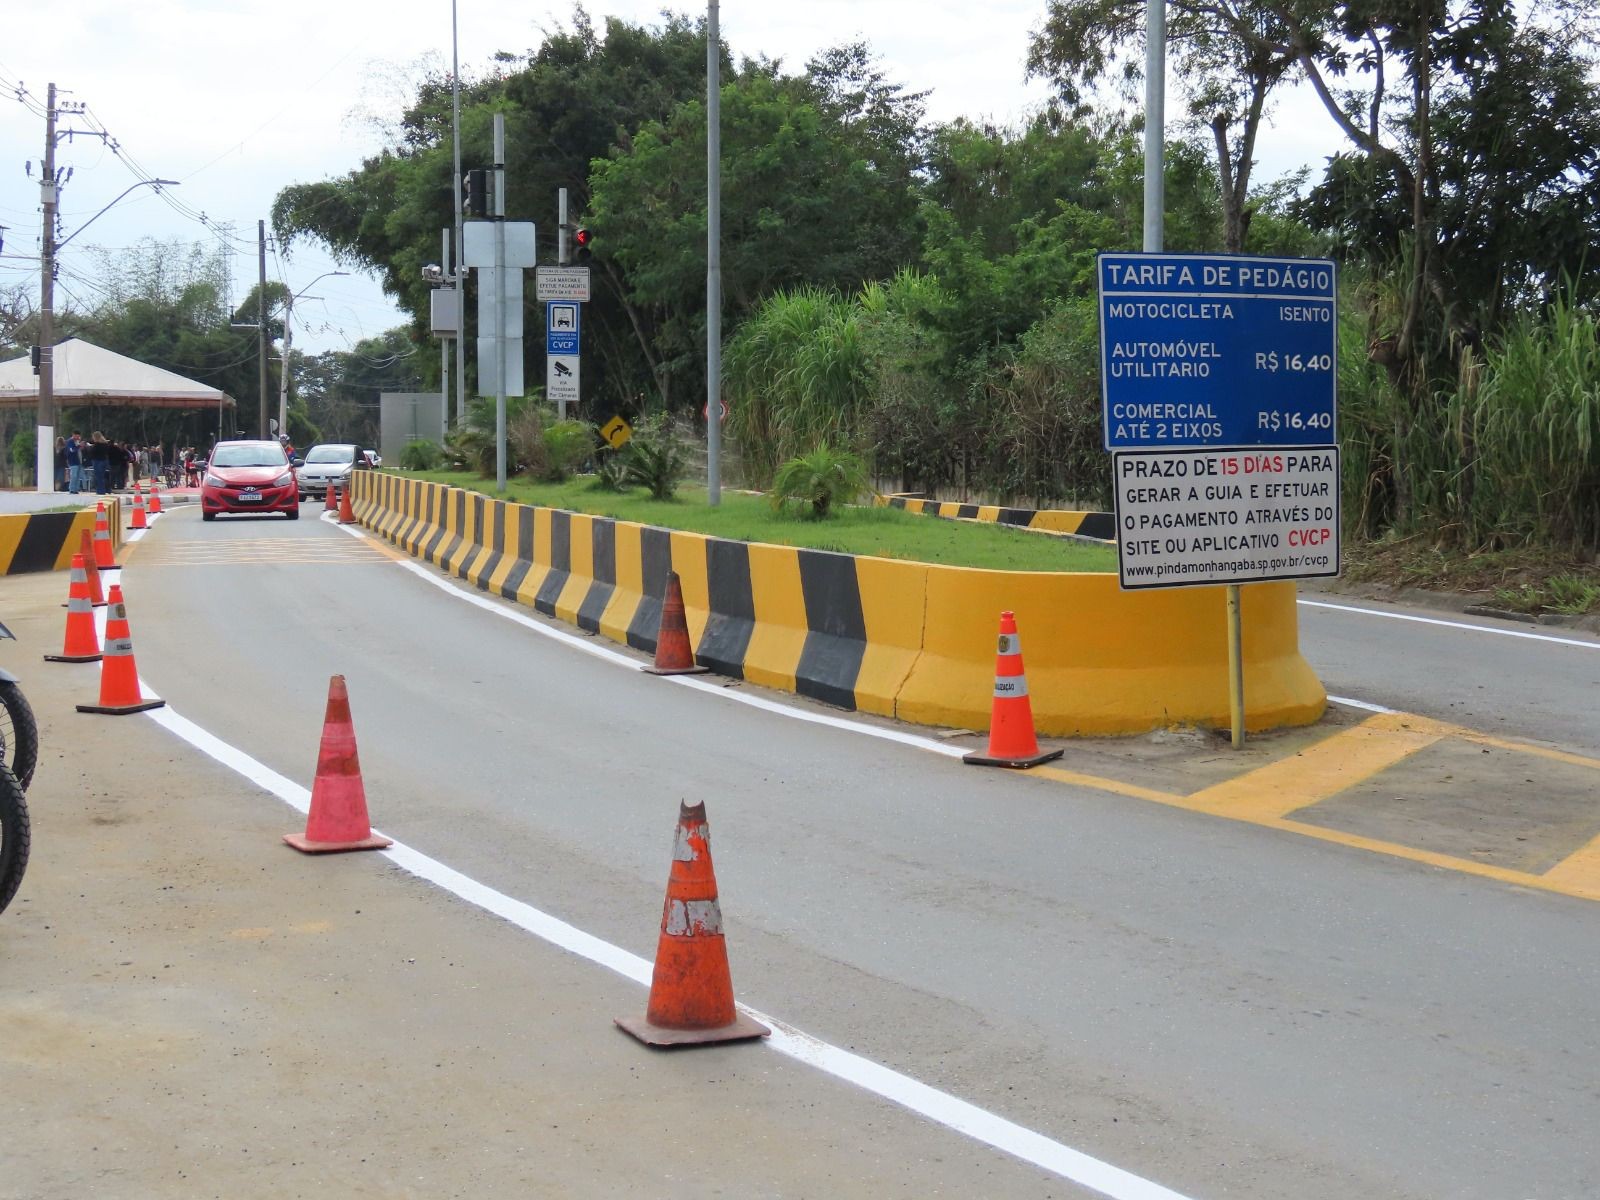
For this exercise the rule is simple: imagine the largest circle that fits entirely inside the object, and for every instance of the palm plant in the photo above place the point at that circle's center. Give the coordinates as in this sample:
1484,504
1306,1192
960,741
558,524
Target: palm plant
822,478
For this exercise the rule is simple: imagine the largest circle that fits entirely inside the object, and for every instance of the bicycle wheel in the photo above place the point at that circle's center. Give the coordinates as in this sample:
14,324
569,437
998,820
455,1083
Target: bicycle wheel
13,836
19,733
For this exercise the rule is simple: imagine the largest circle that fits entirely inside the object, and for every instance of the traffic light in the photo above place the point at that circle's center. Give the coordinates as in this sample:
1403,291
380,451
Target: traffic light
584,241
477,192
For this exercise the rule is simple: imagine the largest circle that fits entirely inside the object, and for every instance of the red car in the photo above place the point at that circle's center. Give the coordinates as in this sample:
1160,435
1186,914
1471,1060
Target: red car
250,477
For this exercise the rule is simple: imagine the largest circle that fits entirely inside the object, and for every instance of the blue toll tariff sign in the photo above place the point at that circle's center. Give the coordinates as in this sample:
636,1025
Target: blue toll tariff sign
1204,350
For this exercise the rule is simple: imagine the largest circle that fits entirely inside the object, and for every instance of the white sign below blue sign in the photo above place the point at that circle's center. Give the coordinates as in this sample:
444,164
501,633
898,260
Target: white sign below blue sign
1201,350
561,320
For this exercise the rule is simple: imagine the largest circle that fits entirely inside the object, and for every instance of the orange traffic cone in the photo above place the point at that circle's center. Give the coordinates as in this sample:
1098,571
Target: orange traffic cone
119,676
691,992
81,643
338,816
330,499
347,514
138,510
104,556
97,594
674,654
155,499
1011,739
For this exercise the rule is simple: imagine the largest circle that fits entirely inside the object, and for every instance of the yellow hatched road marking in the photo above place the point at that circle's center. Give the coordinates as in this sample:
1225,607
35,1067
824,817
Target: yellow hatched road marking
1267,795
256,551
1319,771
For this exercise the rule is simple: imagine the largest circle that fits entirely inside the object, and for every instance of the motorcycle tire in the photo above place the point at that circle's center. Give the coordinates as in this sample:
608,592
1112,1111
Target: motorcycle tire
19,733
13,836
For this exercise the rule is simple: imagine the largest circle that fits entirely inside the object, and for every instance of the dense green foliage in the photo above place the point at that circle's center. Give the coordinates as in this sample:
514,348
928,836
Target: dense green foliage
923,296
420,455
655,458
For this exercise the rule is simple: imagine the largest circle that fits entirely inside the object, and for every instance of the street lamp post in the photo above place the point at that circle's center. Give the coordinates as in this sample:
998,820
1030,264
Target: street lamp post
288,339
44,450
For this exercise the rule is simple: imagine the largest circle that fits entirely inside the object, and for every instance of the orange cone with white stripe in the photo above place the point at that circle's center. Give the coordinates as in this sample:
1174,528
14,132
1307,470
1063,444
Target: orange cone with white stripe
338,816
138,521
1011,738
97,595
119,675
155,499
347,515
691,991
104,556
82,644
330,499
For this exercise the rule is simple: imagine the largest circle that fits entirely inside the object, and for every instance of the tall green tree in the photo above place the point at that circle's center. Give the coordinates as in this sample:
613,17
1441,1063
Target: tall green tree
1231,57
815,190
566,103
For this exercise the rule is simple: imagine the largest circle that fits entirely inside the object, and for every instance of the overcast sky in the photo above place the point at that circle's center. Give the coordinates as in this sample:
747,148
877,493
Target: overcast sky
237,98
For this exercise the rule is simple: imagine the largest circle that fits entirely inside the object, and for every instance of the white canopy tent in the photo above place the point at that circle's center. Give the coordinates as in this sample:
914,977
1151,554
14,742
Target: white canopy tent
86,374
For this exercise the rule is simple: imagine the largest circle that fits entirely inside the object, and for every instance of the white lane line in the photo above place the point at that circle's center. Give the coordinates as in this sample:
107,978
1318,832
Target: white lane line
1364,705
592,646
912,1094
1514,633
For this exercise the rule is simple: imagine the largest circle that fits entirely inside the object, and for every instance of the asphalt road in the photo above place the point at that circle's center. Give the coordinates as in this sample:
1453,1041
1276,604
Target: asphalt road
1527,681
1219,1007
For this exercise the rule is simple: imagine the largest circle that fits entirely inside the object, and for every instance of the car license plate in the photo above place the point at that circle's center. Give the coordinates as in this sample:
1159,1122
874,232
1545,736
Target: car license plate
248,497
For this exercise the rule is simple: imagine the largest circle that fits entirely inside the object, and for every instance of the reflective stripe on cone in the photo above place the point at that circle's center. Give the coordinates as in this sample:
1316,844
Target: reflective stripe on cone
1011,738
691,989
81,643
119,675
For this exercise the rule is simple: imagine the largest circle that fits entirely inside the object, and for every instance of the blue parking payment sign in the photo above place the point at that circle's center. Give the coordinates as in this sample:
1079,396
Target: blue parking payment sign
561,321
1203,350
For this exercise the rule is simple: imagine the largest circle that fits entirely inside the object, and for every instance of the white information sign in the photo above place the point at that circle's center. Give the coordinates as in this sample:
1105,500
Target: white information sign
561,378
489,367
561,283
1188,517
477,243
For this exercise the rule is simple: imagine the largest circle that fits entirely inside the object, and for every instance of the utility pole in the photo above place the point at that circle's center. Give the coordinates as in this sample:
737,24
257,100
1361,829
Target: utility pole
713,258
562,252
283,367
44,450
261,323
500,302
561,260
1155,119
459,285
461,271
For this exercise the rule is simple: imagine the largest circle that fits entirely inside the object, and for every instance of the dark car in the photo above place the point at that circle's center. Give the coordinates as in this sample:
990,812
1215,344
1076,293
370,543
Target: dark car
245,477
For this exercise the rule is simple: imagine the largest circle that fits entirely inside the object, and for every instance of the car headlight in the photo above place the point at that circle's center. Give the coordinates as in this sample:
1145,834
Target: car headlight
213,481
284,480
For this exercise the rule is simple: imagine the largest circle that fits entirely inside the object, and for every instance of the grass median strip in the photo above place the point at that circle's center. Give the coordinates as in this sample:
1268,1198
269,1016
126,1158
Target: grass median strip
881,532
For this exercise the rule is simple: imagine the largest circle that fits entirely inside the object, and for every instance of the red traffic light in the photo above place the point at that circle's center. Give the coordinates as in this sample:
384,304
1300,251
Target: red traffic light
582,237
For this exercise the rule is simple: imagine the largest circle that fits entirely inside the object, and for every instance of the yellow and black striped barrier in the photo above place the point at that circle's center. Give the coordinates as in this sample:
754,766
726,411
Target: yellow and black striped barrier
903,639
1101,526
47,541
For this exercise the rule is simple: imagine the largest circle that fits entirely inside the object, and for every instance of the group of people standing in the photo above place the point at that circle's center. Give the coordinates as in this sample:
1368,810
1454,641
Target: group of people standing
100,465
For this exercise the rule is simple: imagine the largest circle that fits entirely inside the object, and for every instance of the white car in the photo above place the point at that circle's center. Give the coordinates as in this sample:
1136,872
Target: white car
330,463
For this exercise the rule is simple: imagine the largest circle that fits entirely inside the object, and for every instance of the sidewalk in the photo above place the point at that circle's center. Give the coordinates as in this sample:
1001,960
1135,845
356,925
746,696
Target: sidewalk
190,1008
26,500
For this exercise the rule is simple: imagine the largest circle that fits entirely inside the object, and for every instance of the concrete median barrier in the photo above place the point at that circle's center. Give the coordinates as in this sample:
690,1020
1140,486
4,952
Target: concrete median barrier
902,639
1098,525
47,541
